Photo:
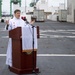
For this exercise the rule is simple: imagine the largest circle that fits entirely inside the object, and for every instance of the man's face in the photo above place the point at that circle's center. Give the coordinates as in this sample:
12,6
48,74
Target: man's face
17,15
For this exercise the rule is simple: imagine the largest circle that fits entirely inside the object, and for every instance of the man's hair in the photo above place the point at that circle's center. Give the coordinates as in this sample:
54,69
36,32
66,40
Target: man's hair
17,10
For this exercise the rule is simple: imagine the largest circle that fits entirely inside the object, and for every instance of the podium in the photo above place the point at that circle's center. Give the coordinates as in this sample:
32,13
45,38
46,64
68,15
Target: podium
22,62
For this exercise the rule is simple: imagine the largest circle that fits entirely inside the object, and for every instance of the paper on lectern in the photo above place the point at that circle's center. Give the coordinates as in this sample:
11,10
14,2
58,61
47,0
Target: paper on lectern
27,38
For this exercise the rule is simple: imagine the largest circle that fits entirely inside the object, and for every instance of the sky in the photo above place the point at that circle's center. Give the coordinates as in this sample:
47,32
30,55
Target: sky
56,2
6,3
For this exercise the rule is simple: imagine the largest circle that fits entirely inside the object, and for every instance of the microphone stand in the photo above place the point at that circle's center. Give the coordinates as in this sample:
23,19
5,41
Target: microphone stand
33,50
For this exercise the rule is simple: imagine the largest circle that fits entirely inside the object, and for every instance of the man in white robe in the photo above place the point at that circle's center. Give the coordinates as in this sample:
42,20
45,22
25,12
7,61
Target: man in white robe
13,23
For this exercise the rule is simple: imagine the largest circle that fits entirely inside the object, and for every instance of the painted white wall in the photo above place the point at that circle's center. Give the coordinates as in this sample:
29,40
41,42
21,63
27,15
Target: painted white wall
29,9
61,6
53,16
15,6
71,6
43,5
54,9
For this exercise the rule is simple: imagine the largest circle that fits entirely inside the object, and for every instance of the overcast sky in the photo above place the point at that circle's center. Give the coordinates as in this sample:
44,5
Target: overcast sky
6,3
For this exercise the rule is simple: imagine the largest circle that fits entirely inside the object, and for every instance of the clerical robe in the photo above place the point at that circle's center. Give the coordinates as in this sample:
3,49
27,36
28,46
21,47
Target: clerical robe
13,23
29,38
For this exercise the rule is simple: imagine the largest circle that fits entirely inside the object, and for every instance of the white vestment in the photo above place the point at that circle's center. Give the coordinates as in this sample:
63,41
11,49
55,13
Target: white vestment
29,35
13,23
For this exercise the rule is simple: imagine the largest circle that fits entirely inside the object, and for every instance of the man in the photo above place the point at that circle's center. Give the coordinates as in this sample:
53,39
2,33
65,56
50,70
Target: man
16,21
11,24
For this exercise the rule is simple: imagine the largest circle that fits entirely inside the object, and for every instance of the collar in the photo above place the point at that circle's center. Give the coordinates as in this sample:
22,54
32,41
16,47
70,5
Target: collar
16,18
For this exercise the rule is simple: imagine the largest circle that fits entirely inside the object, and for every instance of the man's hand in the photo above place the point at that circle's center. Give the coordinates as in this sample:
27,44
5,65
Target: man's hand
32,22
7,22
